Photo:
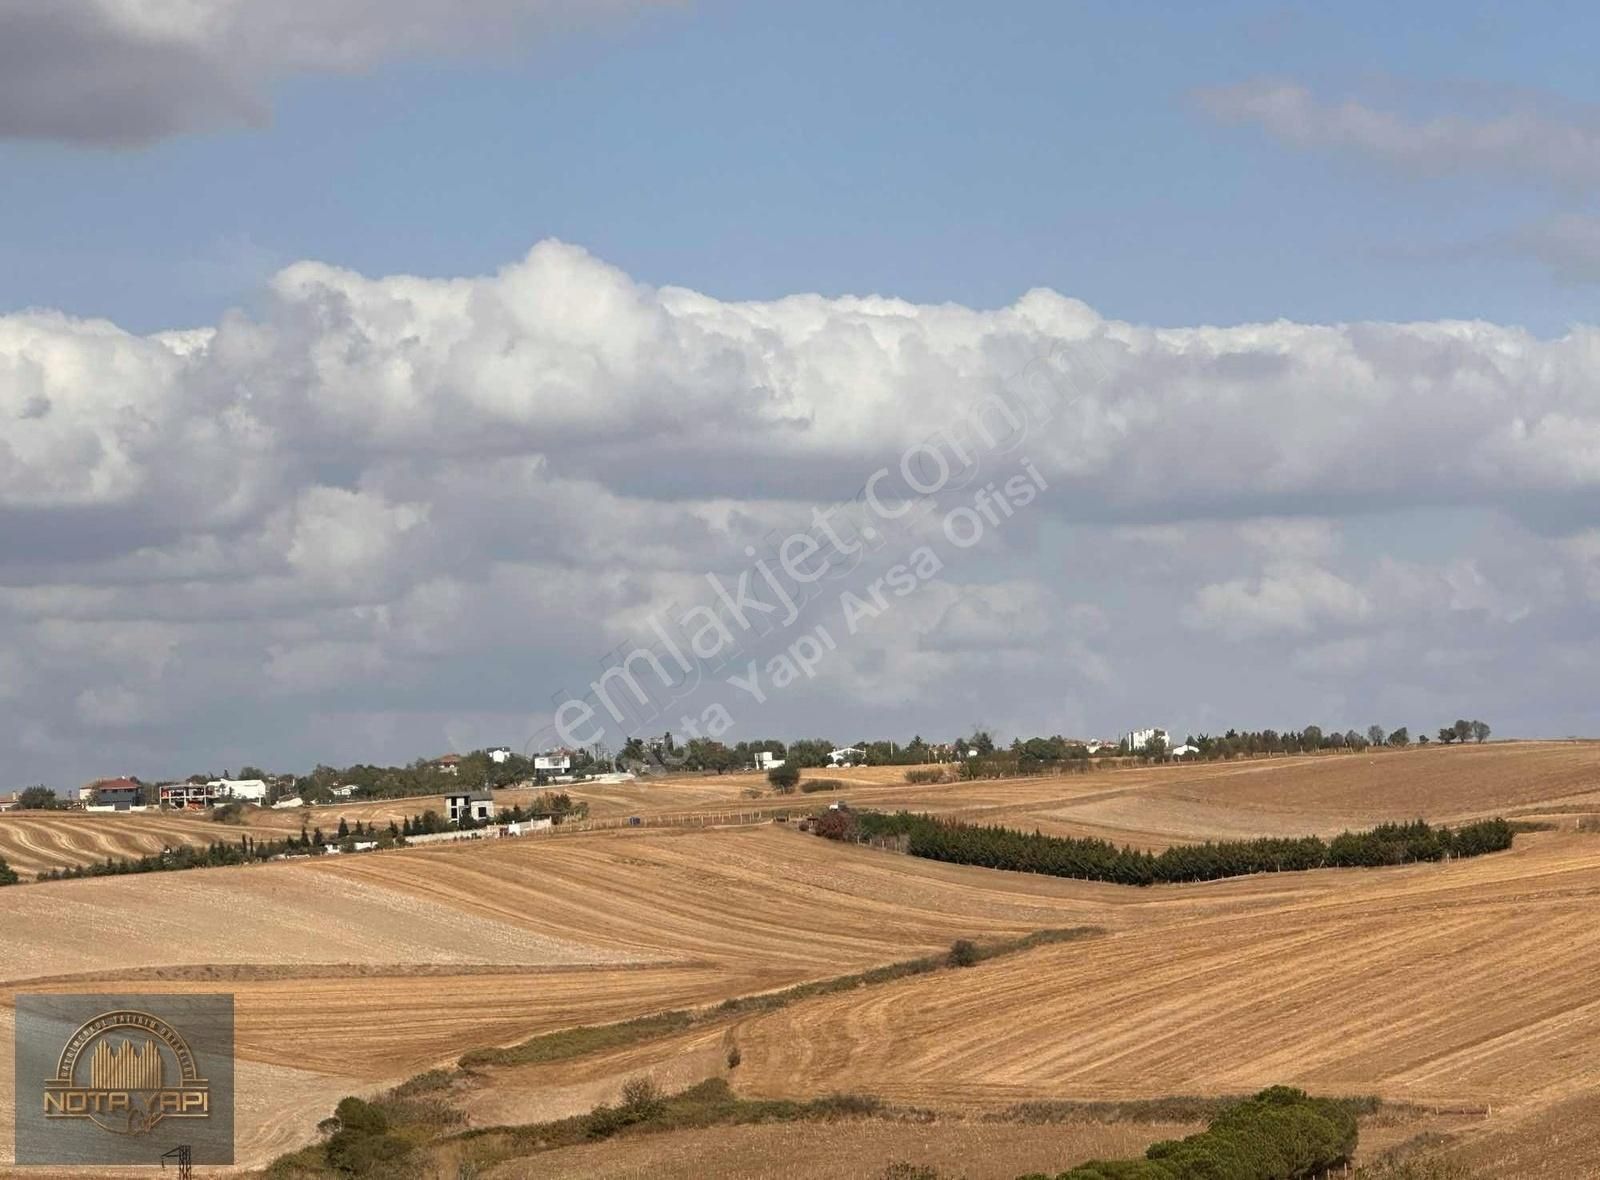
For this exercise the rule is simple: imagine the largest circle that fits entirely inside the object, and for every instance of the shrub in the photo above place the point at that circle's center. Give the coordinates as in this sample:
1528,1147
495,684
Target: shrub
8,875
963,953
228,813
784,778
641,1099
926,774
835,825
603,1122
812,786
355,1114
362,1146
1280,1134
734,1057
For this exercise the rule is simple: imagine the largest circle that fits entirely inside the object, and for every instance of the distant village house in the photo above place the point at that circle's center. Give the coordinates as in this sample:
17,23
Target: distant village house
476,805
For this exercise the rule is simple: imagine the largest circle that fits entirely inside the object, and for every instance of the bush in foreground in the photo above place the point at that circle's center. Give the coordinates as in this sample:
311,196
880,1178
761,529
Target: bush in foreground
1280,1134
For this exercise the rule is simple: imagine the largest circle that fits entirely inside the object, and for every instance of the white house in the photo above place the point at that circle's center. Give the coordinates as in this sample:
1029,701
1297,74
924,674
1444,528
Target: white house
559,762
1138,739
250,790
500,755
849,756
1184,751
766,760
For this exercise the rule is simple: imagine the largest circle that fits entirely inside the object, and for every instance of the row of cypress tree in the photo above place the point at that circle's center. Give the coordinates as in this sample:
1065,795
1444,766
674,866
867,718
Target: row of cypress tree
1100,860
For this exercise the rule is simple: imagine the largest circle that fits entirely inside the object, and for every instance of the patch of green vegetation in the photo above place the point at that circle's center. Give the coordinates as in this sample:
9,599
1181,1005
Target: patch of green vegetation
1172,1109
644,1110
581,1040
1279,1134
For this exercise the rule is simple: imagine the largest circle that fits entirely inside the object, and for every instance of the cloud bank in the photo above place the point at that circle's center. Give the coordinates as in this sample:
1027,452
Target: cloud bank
394,513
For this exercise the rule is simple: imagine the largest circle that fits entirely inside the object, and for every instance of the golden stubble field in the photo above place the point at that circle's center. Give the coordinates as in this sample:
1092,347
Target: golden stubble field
1466,986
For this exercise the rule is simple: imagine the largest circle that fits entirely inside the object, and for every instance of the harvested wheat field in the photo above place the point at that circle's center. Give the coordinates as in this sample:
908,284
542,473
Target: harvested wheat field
1464,987
32,841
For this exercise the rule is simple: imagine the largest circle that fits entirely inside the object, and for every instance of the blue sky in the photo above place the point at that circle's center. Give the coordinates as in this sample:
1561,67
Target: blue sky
450,428
936,152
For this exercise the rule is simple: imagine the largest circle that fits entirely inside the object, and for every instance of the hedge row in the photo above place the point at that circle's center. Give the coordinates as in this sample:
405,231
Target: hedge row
1280,1134
1099,860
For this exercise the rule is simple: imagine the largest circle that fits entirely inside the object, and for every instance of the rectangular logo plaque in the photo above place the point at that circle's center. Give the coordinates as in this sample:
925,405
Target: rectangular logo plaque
123,1079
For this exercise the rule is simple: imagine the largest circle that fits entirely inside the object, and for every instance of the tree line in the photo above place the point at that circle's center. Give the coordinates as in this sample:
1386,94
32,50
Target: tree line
1100,860
1279,1134
557,806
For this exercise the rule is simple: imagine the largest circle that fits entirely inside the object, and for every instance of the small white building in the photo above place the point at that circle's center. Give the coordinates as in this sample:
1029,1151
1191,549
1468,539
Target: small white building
848,756
523,827
556,763
1138,739
767,760
500,755
1184,751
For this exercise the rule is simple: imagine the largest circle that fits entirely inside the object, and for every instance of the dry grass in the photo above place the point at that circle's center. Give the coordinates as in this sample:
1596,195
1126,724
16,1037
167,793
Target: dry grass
1459,985
31,841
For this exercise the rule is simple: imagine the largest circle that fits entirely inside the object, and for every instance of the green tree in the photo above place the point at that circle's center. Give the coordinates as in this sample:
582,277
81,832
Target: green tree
1375,735
785,778
1480,732
40,798
1400,738
1462,729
